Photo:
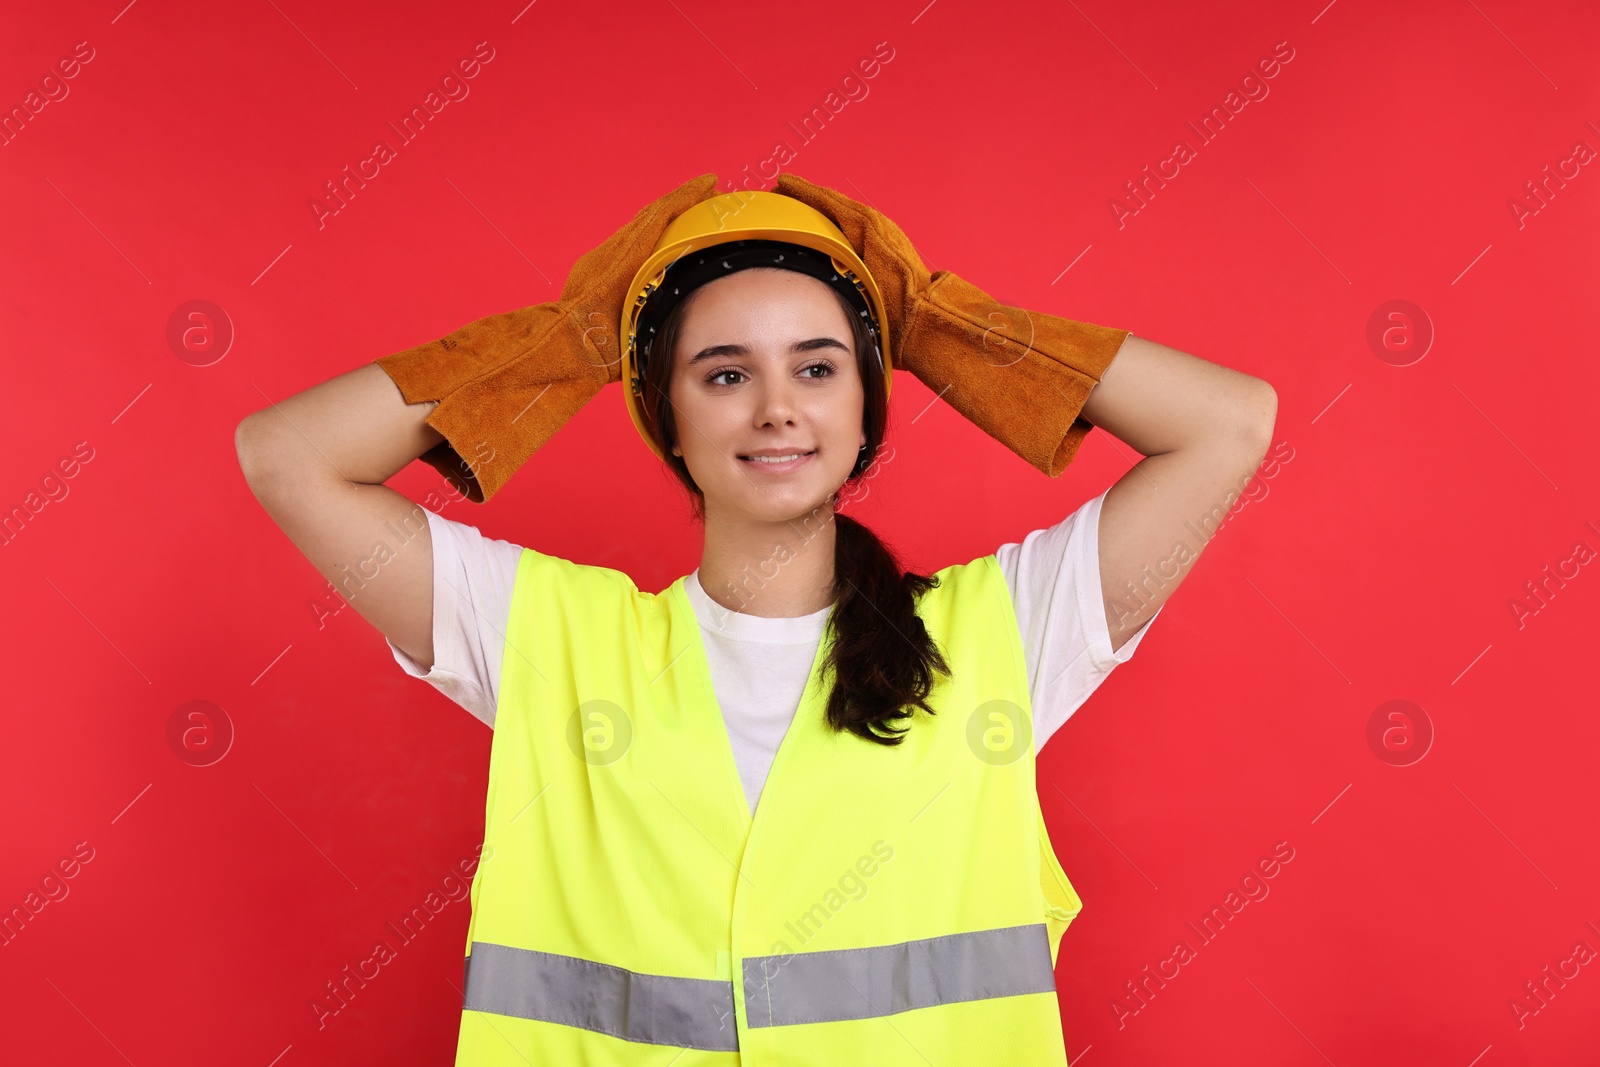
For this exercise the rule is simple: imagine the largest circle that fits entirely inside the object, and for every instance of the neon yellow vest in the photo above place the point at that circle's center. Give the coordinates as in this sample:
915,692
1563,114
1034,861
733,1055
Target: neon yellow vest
886,905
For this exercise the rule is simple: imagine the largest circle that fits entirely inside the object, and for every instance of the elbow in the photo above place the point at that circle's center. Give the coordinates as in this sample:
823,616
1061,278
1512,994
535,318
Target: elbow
241,444
1259,416
250,446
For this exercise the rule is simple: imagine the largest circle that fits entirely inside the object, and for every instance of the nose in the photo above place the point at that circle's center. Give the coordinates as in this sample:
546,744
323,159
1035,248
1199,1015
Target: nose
775,400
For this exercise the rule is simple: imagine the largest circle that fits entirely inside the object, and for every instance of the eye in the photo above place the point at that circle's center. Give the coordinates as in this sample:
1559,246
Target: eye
823,365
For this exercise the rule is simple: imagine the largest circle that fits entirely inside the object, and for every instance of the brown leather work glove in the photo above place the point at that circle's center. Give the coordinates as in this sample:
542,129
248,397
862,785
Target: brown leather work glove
506,383
1021,376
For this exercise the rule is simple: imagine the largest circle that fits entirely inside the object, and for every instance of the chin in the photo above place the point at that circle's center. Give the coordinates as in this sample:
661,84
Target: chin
790,509
785,500
790,504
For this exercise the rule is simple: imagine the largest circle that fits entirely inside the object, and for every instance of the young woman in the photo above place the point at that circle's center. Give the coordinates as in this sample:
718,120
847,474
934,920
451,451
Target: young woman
783,811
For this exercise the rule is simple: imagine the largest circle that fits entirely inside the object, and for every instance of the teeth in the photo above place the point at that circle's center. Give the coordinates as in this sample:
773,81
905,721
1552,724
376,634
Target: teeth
775,459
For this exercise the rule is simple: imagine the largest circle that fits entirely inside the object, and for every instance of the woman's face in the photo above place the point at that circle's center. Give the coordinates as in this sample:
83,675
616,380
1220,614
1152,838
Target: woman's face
766,362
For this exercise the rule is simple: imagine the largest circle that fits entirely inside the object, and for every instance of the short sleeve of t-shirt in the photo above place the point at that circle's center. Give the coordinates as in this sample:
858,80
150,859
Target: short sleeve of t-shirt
473,576
1054,576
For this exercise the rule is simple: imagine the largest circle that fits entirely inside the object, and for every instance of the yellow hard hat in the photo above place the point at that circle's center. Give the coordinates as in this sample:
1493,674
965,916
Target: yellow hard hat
747,229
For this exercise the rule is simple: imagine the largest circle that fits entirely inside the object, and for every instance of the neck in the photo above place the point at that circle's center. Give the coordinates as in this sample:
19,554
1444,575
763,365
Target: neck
769,569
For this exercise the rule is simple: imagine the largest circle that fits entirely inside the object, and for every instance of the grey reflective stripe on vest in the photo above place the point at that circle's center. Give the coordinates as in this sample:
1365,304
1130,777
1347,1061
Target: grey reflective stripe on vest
855,983
861,983
653,1008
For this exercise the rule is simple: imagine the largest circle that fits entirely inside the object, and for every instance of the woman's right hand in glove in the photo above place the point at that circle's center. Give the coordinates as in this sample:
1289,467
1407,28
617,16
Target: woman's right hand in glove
506,383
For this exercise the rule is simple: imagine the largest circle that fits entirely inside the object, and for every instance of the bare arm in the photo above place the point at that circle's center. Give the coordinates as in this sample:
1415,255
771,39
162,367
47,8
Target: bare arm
1203,429
317,462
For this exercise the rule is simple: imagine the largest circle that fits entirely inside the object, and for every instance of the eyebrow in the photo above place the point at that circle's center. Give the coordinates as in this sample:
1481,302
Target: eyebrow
716,351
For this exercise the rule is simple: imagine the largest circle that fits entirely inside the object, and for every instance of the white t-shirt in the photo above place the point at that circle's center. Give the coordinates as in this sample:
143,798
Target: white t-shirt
759,666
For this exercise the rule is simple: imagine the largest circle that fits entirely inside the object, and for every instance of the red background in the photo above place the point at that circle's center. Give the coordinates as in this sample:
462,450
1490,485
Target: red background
1380,565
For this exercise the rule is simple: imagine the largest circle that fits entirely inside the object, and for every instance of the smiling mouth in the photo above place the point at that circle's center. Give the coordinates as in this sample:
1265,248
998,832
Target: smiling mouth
788,461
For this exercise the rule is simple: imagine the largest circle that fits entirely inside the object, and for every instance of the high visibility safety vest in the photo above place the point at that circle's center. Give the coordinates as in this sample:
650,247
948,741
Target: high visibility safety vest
886,905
